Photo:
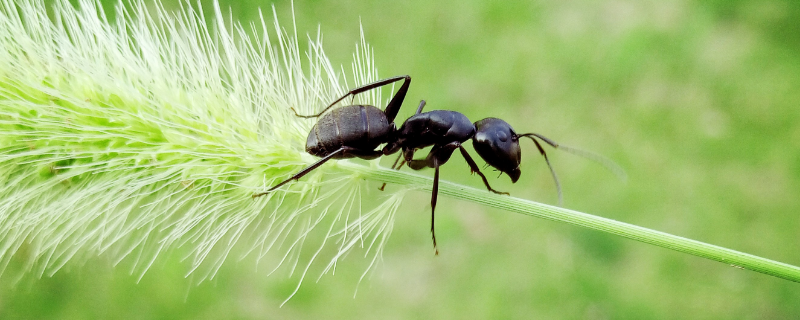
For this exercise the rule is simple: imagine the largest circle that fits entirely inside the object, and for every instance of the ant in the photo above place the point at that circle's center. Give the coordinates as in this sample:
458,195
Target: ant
355,131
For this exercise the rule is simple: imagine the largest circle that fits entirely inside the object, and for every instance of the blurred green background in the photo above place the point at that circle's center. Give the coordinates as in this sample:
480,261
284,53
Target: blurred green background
698,100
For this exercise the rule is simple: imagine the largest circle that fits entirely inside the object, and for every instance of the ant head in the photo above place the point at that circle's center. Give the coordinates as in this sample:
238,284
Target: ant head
497,143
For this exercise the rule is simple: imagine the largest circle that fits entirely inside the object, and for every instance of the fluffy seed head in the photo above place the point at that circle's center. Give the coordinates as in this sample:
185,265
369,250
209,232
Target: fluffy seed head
147,135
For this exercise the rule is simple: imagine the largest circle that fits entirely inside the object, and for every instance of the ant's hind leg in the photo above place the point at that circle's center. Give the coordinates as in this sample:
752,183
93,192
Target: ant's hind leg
305,171
474,167
391,109
394,105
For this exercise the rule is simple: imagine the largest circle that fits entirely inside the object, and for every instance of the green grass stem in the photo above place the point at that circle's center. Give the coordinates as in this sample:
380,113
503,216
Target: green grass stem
665,240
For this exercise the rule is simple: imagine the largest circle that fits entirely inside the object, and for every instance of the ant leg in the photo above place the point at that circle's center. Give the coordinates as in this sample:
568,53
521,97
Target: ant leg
394,104
474,168
397,160
437,156
434,196
417,164
541,150
393,168
408,154
305,171
421,105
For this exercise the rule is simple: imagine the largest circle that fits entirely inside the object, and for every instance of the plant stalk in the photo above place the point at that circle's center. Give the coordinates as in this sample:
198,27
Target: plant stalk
527,207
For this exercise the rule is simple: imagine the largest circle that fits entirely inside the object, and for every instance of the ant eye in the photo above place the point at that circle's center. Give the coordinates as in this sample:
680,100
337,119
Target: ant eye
502,136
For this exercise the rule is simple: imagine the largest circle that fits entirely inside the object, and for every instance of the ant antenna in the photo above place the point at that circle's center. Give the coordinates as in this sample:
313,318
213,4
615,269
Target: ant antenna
609,164
544,154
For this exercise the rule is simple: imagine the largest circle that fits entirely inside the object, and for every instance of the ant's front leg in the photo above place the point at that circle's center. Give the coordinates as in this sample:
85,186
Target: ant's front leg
474,167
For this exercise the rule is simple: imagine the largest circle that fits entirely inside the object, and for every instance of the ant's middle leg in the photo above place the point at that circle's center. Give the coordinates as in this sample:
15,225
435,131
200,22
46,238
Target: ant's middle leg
437,157
439,154
418,164
421,105
434,198
394,167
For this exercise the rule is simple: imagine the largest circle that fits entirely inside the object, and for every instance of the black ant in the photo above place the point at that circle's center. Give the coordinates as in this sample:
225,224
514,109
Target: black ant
357,130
